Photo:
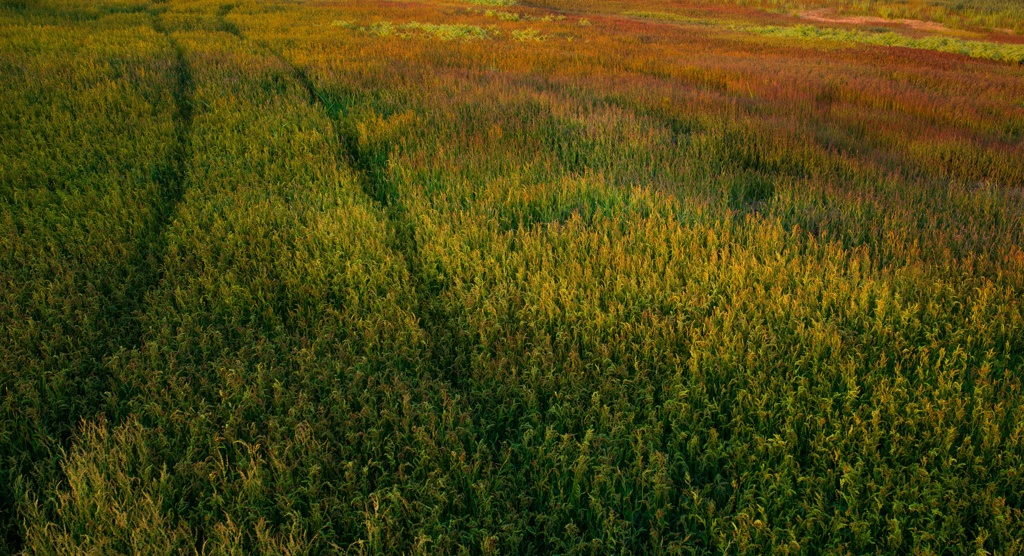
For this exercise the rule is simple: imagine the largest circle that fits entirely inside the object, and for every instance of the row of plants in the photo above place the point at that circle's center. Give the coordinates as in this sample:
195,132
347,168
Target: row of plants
88,175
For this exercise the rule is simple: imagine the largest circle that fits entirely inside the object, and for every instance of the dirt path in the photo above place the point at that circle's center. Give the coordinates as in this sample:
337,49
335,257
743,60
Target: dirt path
827,15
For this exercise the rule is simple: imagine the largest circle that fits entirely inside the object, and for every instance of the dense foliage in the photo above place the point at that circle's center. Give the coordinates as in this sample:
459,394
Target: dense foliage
479,277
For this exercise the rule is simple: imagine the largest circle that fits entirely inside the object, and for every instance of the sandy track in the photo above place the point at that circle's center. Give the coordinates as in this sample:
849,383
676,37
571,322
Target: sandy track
826,15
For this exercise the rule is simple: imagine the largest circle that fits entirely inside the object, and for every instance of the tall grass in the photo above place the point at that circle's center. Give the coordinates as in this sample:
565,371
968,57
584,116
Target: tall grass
87,175
632,288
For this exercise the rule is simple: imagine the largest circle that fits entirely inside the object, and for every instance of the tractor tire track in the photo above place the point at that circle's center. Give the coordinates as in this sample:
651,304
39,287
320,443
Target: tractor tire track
446,353
370,166
119,321
171,176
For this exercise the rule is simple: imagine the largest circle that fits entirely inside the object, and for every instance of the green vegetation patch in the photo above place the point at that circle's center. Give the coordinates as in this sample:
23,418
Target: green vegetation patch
503,15
491,2
93,131
528,34
442,31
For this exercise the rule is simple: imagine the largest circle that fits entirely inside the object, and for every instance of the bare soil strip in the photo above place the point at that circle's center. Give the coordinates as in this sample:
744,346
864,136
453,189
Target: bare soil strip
827,15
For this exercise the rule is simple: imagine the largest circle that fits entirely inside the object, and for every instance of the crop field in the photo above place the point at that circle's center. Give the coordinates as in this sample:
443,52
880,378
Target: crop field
511,277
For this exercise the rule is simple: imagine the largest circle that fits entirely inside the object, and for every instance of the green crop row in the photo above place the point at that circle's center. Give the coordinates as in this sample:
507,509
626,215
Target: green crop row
87,178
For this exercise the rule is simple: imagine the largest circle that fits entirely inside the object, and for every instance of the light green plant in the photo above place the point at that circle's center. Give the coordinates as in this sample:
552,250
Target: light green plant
442,31
528,34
